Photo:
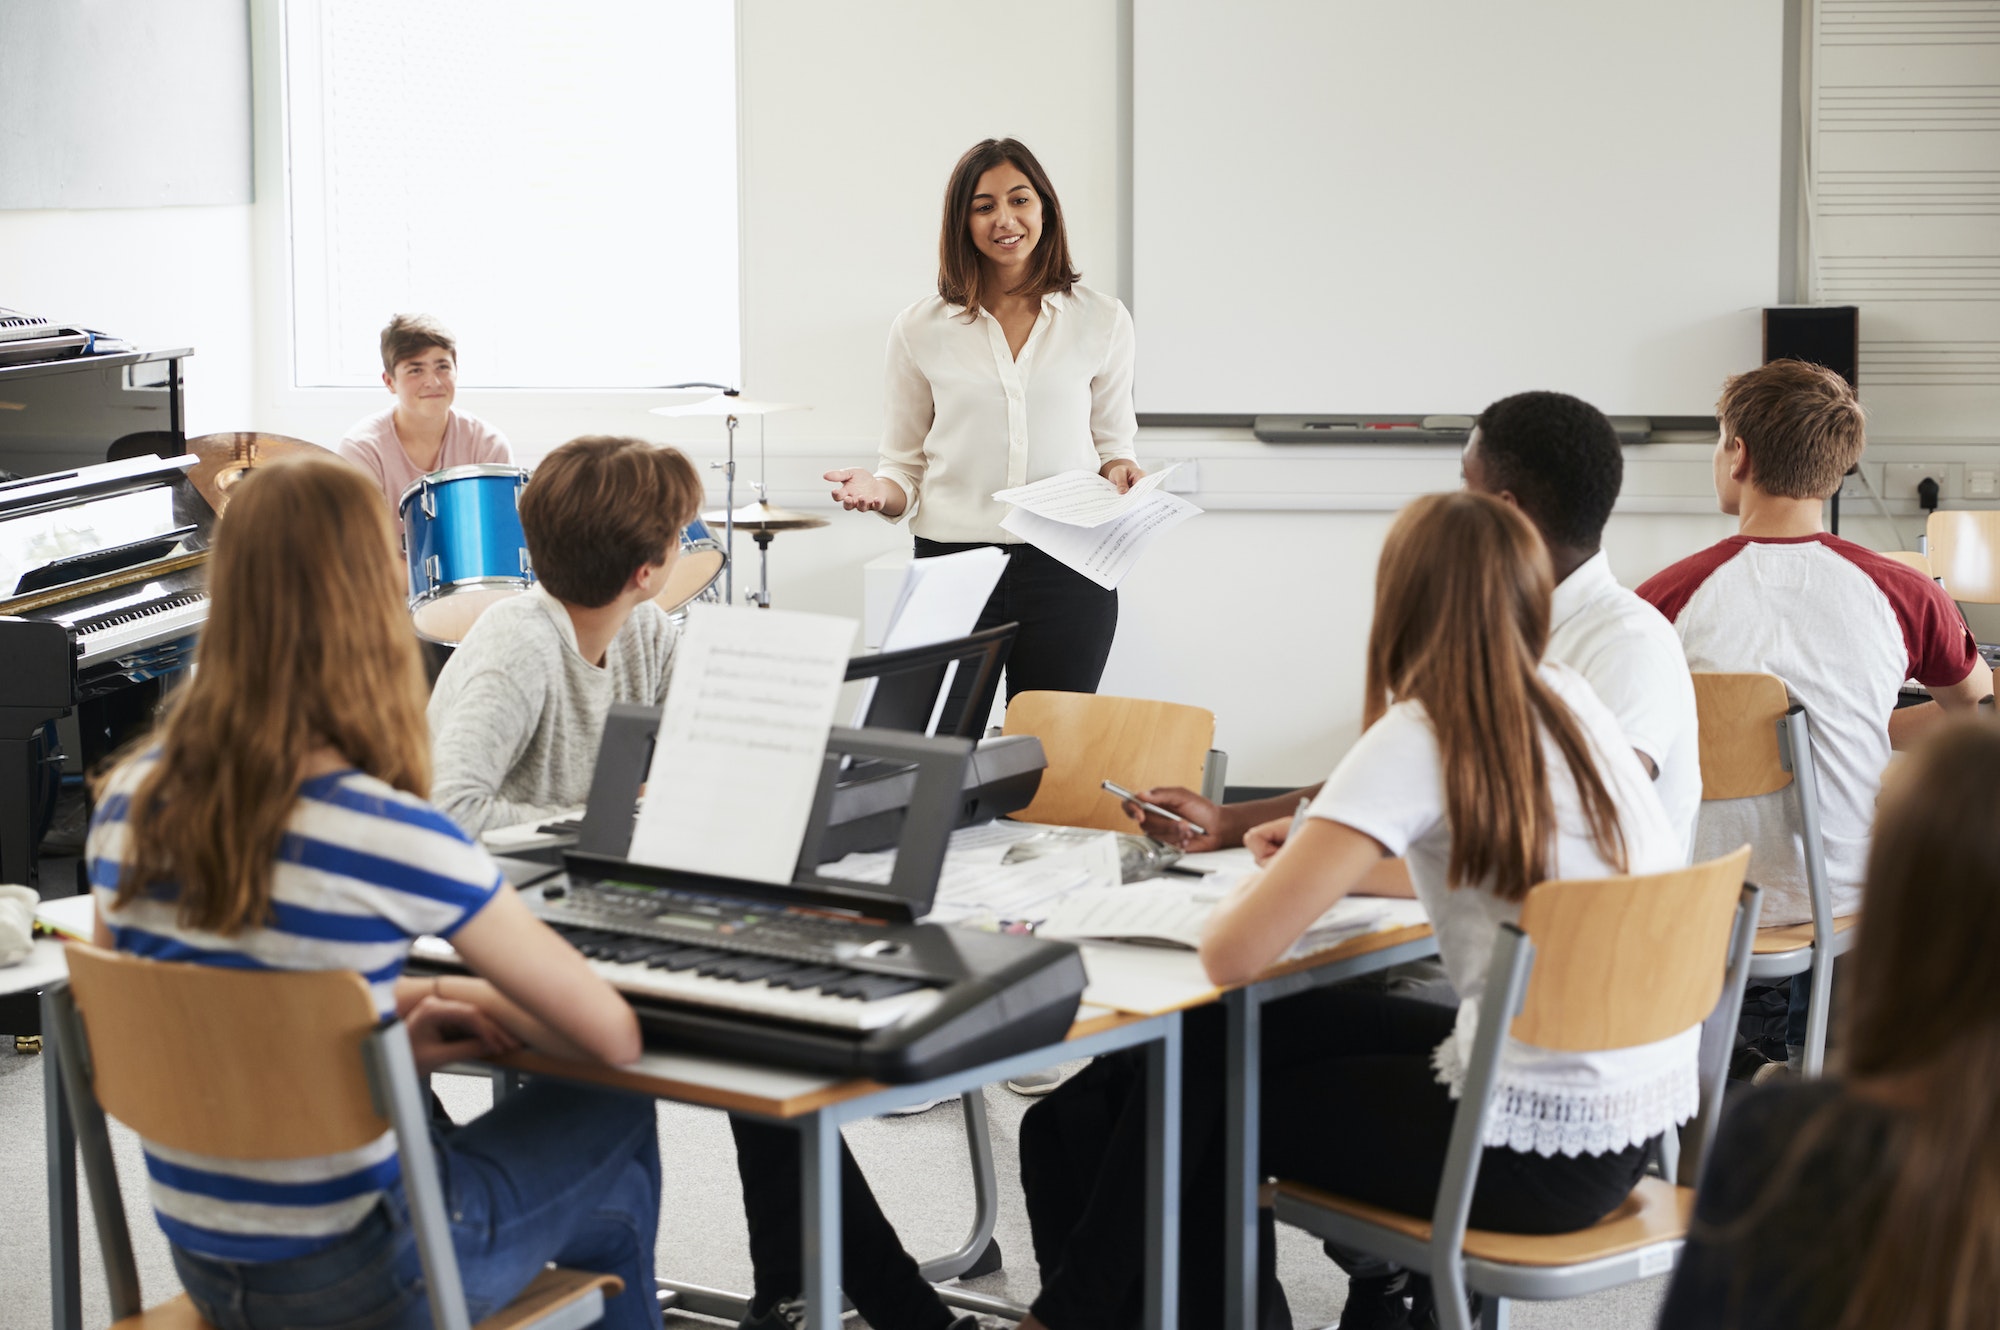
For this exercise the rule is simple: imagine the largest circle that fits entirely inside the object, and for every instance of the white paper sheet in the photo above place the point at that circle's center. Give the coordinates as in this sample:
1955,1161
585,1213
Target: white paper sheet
1104,554
1081,498
974,887
741,741
1159,912
942,597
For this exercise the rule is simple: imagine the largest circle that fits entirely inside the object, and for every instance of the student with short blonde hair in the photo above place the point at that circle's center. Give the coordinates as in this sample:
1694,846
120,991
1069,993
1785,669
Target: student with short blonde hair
518,710
278,821
422,432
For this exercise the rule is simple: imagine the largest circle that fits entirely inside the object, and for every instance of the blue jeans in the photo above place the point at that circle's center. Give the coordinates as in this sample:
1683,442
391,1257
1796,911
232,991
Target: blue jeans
556,1172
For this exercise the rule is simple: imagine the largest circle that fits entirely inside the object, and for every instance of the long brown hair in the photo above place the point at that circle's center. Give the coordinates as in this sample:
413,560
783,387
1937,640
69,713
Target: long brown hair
308,644
1049,267
1923,1003
1461,621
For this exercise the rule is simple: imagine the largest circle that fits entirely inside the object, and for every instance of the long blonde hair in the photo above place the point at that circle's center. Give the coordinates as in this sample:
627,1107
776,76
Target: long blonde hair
308,645
1461,621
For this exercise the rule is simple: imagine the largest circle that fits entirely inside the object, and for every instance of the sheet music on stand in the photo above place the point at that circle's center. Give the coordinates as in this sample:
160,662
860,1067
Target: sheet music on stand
940,599
741,742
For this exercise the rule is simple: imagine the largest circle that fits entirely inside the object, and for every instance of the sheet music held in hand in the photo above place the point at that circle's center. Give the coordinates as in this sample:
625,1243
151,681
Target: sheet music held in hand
1080,520
1082,498
741,742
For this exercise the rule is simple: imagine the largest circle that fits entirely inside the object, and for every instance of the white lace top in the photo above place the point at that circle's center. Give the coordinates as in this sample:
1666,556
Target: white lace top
1390,786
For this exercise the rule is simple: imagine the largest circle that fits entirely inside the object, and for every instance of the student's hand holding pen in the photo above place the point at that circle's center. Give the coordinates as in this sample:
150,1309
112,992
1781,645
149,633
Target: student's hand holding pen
1201,812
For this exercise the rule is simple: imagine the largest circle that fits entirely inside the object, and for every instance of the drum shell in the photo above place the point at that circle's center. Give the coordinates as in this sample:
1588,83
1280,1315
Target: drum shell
470,538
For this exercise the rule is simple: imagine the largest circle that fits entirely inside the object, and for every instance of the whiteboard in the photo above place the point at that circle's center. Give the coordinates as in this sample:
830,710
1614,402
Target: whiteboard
1352,205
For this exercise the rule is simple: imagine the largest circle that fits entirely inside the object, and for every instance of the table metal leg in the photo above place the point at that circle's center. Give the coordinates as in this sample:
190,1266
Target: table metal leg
819,1194
1243,1012
1163,1177
65,1266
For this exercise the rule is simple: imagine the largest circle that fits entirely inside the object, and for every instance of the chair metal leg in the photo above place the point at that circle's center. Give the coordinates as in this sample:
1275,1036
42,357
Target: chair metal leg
1818,1007
65,1268
985,1195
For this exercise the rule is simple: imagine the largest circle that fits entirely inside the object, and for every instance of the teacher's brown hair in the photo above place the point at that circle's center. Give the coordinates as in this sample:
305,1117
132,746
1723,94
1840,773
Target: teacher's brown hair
959,264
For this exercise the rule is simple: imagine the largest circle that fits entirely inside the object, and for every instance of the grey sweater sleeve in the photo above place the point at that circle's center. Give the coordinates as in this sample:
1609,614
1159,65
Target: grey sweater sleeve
479,730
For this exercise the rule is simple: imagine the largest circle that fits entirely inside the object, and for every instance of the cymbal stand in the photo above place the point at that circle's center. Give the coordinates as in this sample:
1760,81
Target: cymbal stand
728,470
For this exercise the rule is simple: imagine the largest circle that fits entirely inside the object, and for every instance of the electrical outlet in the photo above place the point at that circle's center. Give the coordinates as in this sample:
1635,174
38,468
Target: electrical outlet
1187,480
1900,479
1982,482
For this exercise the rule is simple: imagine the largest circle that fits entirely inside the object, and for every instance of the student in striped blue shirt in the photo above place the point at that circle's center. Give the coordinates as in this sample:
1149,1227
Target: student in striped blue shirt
279,821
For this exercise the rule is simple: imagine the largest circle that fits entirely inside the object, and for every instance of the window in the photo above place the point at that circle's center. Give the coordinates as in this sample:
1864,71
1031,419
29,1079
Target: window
556,183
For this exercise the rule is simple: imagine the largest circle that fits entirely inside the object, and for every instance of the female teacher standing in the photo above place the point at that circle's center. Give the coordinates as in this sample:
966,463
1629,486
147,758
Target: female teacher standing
1013,372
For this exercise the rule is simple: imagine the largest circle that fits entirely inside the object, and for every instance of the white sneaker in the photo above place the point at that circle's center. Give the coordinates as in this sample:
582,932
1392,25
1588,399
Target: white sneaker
1035,1083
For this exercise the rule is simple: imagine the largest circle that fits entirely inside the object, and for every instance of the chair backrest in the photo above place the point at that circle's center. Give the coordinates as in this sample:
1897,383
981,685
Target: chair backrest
1625,961
1738,716
1914,558
1965,553
1088,738
234,1064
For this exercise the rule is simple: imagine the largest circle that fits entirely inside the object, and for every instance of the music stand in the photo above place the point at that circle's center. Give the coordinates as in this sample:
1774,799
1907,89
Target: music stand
908,683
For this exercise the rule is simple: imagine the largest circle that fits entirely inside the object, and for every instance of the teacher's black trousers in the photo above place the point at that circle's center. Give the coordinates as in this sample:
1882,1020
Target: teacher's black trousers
1067,621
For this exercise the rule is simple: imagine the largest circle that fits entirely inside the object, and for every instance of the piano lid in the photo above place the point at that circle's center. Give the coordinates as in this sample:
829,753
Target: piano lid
82,527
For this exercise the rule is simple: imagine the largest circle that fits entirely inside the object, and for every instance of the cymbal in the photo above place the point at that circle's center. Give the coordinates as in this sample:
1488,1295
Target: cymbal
724,405
227,458
765,517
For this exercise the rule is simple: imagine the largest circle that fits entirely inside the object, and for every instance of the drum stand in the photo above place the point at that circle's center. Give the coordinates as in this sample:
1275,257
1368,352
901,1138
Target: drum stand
729,521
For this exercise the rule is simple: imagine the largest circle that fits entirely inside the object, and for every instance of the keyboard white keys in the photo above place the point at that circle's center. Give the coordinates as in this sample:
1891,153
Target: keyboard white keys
753,997
758,998
140,631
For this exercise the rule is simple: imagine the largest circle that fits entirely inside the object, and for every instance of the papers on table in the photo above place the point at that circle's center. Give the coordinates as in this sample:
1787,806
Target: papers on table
1176,913
742,740
976,887
1081,520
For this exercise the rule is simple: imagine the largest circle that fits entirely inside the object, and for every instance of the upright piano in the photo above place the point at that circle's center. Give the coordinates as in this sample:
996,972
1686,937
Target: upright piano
102,592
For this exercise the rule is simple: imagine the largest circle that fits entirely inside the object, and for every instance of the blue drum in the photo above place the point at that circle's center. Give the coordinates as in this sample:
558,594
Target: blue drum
462,538
695,573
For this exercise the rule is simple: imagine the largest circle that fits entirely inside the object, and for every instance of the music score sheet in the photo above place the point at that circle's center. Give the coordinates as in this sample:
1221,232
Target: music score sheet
1080,520
741,742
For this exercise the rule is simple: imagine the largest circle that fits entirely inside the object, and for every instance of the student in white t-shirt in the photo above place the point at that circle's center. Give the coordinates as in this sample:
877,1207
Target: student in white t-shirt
423,432
1842,625
1358,1084
1558,459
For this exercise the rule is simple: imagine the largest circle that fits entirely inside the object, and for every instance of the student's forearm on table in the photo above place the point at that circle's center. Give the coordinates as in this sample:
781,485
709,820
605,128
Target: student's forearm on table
534,1033
1240,817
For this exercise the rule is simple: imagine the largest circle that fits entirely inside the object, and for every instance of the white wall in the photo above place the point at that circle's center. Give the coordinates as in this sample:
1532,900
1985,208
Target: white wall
159,277
851,118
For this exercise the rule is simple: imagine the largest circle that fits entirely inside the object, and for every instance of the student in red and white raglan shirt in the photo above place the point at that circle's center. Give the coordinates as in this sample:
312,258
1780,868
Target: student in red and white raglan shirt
1842,625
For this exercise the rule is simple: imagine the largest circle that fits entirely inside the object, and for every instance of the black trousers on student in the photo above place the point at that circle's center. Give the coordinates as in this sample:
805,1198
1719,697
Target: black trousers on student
1350,1104
878,1276
1067,621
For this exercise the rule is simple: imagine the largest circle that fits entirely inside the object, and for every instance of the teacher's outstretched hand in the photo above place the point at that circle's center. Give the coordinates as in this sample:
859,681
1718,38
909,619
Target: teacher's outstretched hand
862,491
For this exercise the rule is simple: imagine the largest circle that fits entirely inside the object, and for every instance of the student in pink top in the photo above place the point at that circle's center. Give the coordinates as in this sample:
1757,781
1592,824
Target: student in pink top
422,432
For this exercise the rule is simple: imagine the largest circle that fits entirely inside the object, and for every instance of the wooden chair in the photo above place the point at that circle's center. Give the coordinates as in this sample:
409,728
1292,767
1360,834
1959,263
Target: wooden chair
241,1064
1088,738
1964,548
1592,966
1916,560
1755,741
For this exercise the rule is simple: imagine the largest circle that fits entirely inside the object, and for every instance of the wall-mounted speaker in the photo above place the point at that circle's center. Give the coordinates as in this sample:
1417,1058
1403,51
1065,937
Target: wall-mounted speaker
1828,335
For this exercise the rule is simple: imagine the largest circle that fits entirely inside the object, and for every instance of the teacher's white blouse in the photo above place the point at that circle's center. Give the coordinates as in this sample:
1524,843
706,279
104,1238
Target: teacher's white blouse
964,418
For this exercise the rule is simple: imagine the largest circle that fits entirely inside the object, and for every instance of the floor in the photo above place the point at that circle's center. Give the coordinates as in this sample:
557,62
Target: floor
917,1164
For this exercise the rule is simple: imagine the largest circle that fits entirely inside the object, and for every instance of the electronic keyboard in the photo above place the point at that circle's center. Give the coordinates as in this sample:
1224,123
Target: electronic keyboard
811,989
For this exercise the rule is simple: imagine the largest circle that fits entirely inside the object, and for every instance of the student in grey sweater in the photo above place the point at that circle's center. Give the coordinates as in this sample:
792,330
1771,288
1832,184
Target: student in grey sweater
518,710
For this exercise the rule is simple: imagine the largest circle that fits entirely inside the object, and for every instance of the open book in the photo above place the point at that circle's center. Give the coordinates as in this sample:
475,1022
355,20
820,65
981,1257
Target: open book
1175,915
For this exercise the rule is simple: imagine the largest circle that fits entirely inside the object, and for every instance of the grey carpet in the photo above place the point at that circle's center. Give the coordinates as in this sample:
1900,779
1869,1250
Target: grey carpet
917,1165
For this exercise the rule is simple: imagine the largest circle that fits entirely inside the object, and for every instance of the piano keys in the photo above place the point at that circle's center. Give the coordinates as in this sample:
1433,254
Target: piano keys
102,594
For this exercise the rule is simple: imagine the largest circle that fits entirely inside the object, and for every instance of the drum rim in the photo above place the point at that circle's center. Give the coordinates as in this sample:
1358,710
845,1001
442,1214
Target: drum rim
465,472
445,589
